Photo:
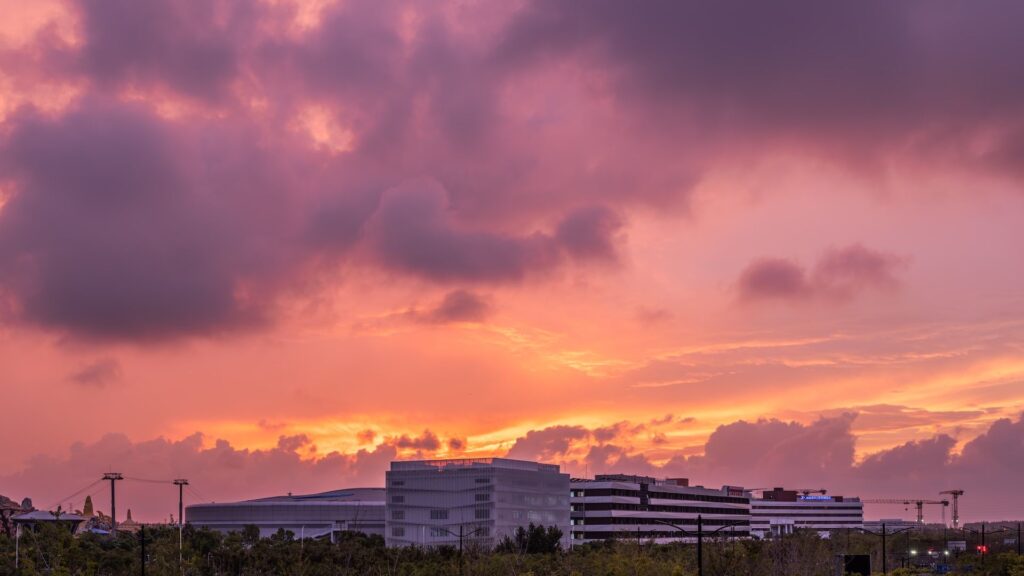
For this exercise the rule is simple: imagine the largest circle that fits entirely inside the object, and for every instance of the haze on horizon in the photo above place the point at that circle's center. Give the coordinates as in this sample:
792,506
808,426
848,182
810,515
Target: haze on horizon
272,245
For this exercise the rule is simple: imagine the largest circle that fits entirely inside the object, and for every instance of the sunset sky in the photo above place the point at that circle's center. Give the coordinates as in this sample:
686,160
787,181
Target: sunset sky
271,245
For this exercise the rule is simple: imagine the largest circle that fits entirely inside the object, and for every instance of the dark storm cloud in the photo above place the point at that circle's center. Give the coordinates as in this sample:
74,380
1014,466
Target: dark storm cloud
127,224
413,231
855,80
195,48
105,236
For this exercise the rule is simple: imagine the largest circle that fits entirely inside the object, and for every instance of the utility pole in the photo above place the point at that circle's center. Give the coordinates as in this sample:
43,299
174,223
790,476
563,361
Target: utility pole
113,477
885,560
142,553
1018,538
181,483
700,545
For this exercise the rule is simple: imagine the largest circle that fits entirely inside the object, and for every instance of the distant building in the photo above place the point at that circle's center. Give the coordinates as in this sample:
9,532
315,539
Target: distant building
129,525
310,516
891,524
430,501
781,511
626,506
36,517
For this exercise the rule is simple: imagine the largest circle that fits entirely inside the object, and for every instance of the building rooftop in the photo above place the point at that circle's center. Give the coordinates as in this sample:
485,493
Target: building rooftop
342,495
352,496
44,516
444,465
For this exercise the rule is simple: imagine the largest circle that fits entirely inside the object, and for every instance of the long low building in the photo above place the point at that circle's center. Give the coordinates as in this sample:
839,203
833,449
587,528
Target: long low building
781,511
308,516
627,506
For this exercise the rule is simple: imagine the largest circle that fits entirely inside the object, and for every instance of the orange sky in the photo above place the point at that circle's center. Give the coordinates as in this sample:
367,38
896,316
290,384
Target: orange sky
544,237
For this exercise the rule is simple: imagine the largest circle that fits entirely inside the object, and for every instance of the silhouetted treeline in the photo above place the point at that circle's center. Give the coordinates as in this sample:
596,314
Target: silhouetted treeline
532,551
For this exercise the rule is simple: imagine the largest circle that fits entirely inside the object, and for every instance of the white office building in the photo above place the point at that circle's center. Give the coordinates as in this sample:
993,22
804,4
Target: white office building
308,516
780,511
430,502
631,507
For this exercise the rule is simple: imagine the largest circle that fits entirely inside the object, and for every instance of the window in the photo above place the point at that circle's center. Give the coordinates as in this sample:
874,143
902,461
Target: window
397,499
398,514
438,514
482,480
438,533
398,482
483,497
398,531
482,513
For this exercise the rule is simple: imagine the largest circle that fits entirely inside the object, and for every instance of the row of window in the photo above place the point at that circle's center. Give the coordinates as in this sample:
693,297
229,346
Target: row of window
634,534
398,483
813,522
608,520
809,515
593,492
834,508
435,532
478,513
605,506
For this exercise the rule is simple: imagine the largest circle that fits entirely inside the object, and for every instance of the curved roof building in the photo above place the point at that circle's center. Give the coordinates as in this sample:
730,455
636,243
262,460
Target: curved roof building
308,515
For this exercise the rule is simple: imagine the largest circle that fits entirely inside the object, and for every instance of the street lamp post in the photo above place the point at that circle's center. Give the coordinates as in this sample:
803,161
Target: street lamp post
461,535
884,533
700,535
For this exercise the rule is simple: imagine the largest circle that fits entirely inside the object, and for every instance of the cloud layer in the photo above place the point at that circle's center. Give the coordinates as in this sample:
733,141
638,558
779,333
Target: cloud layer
763,453
215,158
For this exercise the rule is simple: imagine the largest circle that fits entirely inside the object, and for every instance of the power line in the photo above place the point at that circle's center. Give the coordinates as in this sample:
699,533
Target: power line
149,480
76,493
195,492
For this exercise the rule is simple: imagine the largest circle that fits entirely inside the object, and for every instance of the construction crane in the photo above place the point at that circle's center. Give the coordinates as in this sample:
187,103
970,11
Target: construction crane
957,493
917,502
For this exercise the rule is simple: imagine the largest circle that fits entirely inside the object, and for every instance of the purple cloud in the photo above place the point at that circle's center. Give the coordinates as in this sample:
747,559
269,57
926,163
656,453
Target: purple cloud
413,231
840,274
460,306
547,444
773,278
98,374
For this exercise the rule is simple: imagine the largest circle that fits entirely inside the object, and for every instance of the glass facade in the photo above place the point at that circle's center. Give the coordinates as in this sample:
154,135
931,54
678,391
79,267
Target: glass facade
487,498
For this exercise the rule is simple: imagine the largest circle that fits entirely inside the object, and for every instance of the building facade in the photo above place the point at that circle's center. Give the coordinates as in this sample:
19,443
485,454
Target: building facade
430,502
626,506
780,511
308,516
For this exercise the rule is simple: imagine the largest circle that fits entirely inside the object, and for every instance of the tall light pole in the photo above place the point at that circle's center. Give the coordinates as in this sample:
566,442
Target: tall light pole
884,533
700,535
181,483
113,477
461,535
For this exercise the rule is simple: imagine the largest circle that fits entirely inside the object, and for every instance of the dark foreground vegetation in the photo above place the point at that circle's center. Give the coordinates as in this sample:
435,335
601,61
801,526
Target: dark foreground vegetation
52,550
